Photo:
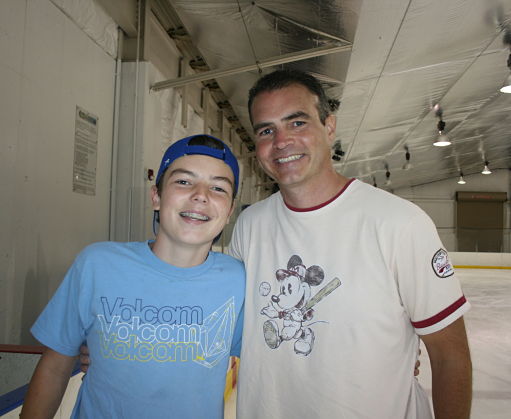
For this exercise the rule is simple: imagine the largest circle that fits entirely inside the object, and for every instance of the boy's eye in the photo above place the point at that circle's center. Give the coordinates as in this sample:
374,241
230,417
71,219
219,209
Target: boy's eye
218,189
182,182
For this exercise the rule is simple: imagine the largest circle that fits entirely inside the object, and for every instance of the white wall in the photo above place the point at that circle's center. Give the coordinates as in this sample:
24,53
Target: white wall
438,199
48,67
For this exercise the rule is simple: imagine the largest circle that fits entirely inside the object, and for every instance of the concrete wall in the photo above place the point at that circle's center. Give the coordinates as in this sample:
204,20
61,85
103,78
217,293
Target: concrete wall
48,67
438,199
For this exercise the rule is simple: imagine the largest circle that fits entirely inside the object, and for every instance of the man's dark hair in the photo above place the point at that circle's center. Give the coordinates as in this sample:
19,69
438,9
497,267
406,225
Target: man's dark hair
284,78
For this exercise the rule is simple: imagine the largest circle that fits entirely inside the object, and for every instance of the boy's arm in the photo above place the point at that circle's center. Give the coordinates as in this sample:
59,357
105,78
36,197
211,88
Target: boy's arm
47,385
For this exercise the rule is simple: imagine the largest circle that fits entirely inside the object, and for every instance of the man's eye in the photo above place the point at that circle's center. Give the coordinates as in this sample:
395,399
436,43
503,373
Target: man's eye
218,189
182,182
298,123
264,132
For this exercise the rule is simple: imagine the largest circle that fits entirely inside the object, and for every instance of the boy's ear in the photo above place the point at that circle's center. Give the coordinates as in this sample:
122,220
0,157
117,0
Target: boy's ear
155,198
230,212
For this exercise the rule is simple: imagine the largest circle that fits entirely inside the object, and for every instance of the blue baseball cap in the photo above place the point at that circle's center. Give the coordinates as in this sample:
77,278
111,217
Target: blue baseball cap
183,148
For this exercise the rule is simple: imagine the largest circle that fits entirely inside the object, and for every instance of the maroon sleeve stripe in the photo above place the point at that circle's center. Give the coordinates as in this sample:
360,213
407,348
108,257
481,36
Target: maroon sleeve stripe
440,316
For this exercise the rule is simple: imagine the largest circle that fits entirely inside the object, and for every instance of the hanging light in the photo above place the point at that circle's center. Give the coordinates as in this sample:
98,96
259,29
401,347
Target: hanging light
507,85
461,181
442,140
407,165
338,152
486,170
388,182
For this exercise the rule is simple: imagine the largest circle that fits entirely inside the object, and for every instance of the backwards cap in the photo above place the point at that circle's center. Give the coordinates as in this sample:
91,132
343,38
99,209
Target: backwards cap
182,148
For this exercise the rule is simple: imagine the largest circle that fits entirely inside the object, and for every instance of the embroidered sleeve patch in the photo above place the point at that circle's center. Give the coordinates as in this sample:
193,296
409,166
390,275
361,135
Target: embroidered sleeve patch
442,266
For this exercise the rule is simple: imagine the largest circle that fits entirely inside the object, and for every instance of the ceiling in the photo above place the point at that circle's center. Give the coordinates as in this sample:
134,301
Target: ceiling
400,61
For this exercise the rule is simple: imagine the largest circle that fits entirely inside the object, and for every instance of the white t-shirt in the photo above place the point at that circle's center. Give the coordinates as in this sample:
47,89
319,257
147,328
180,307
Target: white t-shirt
335,299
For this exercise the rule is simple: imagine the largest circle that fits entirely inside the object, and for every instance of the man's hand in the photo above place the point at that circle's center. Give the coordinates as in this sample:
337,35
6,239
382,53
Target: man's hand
85,360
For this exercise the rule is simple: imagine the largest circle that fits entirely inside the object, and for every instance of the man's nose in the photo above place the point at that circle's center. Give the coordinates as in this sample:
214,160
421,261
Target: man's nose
282,139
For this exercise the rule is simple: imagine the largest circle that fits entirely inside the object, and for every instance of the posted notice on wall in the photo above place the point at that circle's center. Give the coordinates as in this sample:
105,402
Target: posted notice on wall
86,152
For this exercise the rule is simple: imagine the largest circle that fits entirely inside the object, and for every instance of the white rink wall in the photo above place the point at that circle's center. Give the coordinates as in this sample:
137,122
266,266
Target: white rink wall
438,200
490,260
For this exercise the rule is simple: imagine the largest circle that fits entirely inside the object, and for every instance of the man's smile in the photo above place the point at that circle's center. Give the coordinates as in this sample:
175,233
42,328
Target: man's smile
289,158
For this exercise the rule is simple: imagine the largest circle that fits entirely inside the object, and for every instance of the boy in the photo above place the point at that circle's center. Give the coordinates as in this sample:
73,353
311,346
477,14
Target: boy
159,317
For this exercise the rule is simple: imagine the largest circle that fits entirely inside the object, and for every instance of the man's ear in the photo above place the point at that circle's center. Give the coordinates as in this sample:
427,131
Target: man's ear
330,125
155,198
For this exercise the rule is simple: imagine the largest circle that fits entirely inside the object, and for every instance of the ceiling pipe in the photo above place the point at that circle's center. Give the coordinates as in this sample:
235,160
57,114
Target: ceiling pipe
269,62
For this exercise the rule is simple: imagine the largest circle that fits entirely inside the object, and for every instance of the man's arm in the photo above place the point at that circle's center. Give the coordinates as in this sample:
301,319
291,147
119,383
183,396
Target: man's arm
451,369
48,385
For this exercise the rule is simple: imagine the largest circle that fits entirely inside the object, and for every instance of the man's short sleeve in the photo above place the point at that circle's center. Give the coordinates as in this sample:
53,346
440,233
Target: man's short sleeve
428,286
235,246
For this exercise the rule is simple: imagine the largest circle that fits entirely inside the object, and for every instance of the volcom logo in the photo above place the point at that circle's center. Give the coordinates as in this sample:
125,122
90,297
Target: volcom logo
441,264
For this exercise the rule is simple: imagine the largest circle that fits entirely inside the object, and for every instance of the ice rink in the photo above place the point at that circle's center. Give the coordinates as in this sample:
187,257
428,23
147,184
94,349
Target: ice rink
489,332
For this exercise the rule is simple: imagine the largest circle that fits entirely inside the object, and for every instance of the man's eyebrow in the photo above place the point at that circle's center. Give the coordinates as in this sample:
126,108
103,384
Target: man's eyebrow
294,115
260,125
297,114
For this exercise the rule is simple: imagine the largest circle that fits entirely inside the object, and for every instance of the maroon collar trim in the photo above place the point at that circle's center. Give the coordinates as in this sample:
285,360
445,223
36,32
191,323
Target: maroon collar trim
324,203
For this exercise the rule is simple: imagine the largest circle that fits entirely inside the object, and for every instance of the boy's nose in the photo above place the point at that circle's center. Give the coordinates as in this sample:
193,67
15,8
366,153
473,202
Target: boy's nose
200,193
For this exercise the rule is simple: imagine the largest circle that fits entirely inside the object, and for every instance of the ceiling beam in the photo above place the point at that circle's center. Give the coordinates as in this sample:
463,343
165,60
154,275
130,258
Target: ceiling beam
269,62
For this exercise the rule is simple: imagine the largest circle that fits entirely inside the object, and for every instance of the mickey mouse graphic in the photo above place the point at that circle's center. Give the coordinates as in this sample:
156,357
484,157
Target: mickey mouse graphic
292,306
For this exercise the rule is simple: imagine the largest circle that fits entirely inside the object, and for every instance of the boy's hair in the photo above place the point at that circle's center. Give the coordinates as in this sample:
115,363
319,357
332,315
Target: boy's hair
284,78
202,144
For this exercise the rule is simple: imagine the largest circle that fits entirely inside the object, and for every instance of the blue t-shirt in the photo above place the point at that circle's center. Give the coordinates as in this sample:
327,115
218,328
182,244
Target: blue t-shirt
159,336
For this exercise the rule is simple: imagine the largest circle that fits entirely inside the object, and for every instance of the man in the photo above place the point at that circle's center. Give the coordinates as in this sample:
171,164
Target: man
342,278
158,316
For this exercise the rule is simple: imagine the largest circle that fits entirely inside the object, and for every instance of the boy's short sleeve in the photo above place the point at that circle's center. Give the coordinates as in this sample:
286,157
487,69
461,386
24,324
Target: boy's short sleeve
61,324
238,332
